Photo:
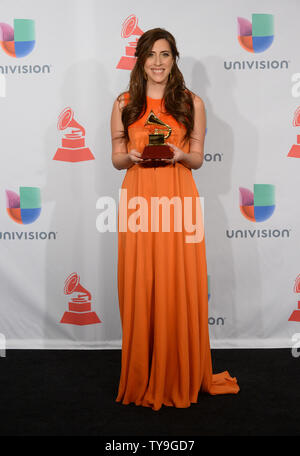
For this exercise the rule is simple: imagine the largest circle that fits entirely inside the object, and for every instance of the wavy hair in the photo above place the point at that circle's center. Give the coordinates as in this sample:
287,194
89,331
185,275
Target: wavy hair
177,98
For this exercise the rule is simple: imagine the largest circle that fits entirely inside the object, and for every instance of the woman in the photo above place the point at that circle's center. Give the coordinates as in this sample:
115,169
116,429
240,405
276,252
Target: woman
162,278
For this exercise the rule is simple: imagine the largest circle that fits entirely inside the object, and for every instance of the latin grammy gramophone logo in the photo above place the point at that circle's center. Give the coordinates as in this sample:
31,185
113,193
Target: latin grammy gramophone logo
295,149
79,312
129,28
73,147
296,314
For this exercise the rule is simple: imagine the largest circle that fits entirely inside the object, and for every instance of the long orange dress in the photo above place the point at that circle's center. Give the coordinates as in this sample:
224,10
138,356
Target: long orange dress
162,287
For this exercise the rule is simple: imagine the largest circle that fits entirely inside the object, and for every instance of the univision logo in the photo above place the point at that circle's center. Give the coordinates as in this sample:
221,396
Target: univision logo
258,206
26,207
256,37
20,40
208,158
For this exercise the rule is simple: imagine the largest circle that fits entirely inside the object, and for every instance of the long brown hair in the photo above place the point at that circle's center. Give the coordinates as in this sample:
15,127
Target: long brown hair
177,98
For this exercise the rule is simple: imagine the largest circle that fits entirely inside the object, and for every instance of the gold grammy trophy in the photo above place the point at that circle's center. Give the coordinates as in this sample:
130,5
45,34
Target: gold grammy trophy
157,149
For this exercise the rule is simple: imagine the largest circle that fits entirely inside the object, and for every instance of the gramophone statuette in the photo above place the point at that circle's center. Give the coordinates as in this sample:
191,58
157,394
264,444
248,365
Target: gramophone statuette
157,149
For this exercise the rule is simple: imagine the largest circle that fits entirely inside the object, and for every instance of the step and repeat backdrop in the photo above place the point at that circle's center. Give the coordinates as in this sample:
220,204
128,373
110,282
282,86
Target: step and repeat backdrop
62,64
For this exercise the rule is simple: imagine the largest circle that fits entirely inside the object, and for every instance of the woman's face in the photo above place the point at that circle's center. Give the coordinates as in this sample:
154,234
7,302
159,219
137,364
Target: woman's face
159,62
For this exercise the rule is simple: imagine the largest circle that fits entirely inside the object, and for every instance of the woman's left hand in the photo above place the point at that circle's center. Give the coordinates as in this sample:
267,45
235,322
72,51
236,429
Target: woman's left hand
178,154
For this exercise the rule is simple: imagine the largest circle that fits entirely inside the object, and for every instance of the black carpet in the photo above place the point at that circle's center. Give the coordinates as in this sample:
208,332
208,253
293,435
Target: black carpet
72,393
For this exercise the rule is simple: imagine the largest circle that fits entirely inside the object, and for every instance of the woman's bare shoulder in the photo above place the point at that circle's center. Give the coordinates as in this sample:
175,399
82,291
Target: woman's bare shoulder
122,99
198,102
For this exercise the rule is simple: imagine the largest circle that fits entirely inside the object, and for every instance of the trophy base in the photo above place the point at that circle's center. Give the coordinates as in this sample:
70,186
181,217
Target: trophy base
154,164
73,155
295,151
80,319
157,151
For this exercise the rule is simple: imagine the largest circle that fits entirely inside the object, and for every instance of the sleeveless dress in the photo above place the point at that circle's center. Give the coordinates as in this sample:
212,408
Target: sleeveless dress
162,286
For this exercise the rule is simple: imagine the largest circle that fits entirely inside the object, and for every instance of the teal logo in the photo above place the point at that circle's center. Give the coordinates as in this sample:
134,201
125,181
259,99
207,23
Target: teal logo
259,205
256,36
24,208
20,40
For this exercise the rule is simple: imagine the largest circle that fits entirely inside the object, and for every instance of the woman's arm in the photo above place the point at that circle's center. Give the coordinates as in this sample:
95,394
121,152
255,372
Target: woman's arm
119,157
194,159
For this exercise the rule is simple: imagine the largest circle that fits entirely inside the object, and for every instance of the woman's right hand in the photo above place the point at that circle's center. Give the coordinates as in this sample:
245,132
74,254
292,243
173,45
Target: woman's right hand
134,156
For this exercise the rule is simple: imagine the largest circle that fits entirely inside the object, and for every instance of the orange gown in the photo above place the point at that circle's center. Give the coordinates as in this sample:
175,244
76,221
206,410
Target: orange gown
162,287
